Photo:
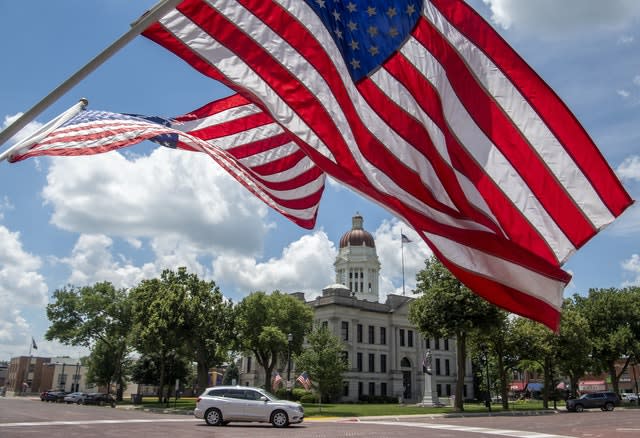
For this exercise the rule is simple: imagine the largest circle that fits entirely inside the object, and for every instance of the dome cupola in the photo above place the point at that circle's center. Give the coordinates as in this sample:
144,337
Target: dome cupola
357,236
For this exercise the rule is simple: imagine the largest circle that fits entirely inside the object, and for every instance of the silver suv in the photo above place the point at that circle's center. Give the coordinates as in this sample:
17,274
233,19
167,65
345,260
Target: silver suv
603,400
222,404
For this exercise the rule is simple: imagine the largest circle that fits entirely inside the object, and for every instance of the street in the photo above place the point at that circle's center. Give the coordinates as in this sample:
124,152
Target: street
21,417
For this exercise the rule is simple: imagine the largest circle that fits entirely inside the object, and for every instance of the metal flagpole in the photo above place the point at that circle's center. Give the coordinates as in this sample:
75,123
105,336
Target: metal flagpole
402,250
152,15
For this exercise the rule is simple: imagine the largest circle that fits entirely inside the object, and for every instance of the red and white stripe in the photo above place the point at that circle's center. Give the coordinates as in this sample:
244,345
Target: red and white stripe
455,134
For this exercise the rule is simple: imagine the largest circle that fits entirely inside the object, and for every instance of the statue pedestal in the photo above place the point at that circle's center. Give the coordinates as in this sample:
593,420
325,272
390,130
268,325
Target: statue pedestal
430,396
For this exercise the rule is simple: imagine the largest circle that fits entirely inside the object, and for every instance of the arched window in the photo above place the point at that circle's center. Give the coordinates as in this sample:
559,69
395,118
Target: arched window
405,363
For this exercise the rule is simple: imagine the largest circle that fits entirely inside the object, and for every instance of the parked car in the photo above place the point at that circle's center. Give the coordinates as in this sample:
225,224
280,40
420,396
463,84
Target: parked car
629,397
53,396
222,404
98,398
75,397
603,400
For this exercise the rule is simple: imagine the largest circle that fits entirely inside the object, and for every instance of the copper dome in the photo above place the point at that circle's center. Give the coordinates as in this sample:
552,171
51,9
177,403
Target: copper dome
357,236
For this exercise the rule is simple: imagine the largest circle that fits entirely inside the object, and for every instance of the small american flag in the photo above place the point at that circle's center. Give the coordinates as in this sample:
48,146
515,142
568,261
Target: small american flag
304,380
276,380
422,107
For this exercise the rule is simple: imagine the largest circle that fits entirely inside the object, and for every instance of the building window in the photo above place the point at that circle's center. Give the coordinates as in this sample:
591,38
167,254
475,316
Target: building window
437,366
446,345
383,363
437,342
372,335
360,389
402,337
248,364
345,330
359,333
383,336
448,389
427,343
410,338
345,357
325,324
447,370
372,388
464,391
345,389
372,363
439,390
359,362
383,388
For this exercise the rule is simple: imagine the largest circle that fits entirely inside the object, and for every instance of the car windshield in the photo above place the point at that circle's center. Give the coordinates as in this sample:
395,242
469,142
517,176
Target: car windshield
271,396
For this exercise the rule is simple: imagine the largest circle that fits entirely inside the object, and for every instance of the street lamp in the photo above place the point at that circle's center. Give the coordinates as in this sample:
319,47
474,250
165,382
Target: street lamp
289,340
485,357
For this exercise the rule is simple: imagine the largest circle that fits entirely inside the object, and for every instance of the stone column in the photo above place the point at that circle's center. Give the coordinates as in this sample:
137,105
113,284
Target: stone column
430,395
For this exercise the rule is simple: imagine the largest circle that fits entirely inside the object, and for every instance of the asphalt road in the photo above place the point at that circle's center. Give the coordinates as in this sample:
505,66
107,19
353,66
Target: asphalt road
23,417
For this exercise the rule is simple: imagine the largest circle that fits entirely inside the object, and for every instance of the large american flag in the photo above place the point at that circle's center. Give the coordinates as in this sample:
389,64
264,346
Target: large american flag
422,107
234,132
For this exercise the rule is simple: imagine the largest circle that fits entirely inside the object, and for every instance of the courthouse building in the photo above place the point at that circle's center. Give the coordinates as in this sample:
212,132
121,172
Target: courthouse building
383,349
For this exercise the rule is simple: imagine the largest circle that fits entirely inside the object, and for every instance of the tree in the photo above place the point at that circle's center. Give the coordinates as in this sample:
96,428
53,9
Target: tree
614,328
574,345
263,323
179,313
447,308
231,374
322,359
94,316
146,371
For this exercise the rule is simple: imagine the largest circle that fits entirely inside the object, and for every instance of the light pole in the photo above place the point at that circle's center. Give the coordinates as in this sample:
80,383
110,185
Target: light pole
485,356
289,340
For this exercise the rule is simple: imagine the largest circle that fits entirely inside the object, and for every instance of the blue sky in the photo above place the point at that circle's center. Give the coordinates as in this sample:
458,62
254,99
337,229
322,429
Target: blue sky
126,216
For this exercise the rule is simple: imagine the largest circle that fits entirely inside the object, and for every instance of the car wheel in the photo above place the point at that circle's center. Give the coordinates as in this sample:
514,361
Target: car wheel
213,417
78,401
579,408
279,419
608,406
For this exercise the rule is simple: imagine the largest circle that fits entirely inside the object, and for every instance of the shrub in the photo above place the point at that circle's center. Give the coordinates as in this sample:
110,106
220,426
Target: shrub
308,398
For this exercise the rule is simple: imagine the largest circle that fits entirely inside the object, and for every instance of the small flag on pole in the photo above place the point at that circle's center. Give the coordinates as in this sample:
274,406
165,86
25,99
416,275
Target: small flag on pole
276,380
405,239
33,343
304,380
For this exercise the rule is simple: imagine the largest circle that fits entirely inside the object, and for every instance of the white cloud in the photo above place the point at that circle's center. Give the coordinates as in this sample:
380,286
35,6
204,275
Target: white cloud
632,266
22,288
625,39
168,193
636,80
305,265
623,93
553,18
629,168
25,132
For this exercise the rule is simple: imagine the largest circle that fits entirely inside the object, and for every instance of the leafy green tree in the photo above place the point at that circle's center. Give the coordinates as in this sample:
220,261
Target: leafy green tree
614,326
230,374
263,323
180,313
447,308
574,345
157,316
146,370
322,359
96,316
105,366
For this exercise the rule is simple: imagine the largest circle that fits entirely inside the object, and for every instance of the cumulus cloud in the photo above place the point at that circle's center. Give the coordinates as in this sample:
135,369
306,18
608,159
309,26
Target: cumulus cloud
167,193
22,288
305,265
632,267
629,168
552,18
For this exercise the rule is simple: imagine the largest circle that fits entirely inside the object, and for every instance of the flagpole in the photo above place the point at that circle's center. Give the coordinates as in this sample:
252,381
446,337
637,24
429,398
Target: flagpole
402,250
152,15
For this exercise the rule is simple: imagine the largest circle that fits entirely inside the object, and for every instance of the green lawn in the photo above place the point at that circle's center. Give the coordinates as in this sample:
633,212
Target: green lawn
360,410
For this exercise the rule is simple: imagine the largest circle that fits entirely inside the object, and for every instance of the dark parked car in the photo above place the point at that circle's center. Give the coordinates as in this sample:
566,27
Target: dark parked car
53,396
603,400
98,398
